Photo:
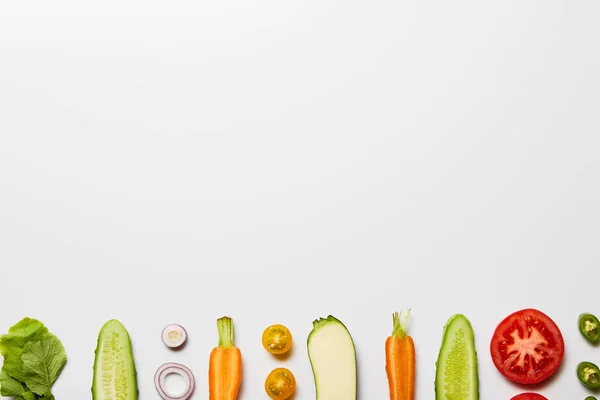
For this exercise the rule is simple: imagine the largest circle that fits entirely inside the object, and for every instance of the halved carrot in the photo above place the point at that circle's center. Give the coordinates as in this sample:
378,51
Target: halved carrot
400,360
225,366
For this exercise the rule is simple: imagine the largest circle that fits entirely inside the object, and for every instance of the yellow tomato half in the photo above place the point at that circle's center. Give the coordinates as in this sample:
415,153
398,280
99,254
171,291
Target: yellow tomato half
277,339
280,384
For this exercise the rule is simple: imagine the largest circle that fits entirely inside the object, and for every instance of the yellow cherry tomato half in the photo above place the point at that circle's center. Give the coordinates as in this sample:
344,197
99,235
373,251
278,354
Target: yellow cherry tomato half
277,339
280,384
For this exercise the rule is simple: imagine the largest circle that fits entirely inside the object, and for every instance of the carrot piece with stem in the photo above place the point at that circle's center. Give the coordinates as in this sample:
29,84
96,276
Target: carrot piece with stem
400,360
225,365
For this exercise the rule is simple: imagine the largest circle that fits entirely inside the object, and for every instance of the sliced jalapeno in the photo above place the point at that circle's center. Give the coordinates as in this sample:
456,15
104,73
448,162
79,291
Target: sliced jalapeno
589,374
591,398
589,326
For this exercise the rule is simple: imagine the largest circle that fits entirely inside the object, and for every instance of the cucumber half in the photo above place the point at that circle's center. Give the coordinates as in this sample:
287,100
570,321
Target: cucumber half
114,368
333,360
456,368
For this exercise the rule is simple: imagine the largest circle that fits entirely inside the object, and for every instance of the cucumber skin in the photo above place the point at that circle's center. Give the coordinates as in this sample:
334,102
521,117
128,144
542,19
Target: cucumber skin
438,394
129,353
319,323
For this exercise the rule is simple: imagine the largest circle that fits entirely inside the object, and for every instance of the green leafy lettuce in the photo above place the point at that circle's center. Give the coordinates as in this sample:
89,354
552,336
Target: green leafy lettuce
33,360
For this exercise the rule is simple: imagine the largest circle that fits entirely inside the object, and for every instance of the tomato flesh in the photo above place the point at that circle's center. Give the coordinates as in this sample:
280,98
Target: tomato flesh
529,396
527,347
277,339
280,384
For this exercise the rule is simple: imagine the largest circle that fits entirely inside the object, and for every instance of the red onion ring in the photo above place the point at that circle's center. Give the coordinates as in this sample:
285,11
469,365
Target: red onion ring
173,368
174,335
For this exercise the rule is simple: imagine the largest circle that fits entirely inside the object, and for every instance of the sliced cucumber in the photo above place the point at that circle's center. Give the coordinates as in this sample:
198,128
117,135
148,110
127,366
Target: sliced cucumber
456,368
333,360
114,368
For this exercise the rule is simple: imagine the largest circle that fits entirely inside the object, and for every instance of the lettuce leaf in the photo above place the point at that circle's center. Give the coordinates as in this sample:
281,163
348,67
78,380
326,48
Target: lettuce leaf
42,362
13,344
33,360
10,386
13,388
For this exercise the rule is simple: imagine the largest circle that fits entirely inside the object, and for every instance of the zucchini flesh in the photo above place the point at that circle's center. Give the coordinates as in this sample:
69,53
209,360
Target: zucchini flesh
456,368
333,360
114,368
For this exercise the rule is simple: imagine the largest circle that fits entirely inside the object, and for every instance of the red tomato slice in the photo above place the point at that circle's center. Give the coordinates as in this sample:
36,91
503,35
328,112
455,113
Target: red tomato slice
529,396
527,347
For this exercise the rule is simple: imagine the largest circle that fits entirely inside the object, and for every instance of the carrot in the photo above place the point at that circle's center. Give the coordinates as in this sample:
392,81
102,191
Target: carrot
400,361
225,366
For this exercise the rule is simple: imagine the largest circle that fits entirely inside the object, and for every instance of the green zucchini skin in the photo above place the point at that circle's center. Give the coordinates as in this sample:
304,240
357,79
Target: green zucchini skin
456,368
115,376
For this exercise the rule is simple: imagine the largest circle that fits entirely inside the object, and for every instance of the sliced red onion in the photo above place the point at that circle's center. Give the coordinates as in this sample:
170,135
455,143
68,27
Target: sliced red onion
177,369
174,335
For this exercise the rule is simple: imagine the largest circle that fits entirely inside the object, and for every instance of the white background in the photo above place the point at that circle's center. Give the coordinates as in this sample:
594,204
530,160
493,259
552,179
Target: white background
279,161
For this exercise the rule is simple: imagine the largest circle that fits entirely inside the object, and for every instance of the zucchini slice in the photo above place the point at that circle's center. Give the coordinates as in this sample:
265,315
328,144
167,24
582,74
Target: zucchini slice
333,360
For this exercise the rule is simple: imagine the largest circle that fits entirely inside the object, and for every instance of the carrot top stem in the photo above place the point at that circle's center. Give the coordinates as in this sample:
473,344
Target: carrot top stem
400,325
225,327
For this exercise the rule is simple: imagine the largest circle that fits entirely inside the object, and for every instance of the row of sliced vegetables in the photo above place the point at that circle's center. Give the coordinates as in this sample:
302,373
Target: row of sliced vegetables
527,347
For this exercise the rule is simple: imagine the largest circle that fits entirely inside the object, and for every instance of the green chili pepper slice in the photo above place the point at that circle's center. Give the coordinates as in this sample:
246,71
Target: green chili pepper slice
591,398
589,374
589,326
